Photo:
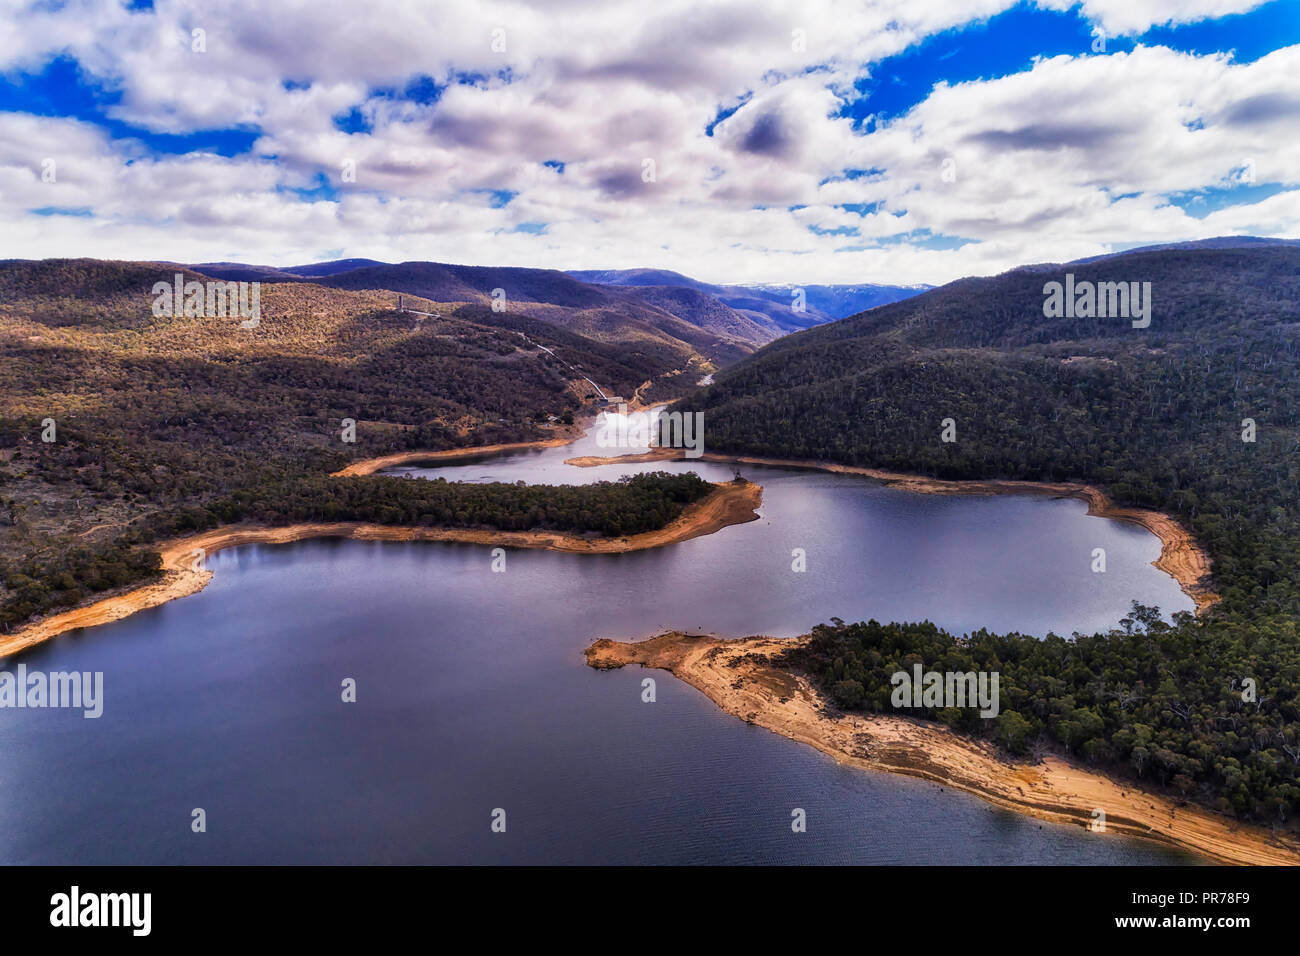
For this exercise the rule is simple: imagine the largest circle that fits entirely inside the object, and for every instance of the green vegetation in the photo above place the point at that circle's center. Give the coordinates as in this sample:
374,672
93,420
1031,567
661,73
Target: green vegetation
1154,416
44,582
1161,701
682,325
169,425
630,505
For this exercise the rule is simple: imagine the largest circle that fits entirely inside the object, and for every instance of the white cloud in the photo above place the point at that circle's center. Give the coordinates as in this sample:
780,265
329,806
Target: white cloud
1129,17
1058,161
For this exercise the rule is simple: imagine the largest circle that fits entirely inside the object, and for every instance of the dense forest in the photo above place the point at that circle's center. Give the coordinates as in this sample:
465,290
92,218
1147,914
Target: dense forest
42,582
633,504
1195,415
163,425
1162,701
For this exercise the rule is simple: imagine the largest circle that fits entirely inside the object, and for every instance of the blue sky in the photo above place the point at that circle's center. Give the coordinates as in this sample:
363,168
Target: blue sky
1011,41
880,141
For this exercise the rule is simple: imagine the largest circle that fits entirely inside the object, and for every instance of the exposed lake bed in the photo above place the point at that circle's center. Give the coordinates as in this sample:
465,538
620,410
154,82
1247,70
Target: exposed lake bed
477,680
744,679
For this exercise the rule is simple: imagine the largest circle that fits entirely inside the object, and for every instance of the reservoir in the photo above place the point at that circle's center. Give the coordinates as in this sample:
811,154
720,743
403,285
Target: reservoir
472,694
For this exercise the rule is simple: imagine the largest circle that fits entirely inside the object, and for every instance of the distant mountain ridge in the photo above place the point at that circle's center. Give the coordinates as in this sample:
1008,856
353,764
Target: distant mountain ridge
246,272
823,303
720,324
1219,242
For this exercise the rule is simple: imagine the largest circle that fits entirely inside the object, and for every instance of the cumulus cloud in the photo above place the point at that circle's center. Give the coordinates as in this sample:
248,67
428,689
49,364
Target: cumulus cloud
1119,17
711,140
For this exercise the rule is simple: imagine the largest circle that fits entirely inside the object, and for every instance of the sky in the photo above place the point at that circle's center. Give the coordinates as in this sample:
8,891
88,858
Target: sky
872,141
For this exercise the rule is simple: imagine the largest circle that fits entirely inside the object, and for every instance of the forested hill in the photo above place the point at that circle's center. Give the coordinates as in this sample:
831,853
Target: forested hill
118,426
684,326
1200,296
1156,416
642,308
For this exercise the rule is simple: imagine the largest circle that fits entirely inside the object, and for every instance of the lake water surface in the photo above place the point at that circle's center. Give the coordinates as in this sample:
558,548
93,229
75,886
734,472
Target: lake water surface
472,692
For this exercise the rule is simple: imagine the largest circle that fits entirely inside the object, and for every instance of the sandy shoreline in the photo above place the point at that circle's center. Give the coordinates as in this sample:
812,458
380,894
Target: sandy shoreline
1181,556
736,676
726,505
371,465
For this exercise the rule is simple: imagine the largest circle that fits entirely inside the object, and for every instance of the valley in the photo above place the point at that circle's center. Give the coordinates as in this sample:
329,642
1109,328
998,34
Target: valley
246,453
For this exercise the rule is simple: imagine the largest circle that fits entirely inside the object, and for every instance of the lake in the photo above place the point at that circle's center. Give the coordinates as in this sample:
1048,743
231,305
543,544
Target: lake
473,695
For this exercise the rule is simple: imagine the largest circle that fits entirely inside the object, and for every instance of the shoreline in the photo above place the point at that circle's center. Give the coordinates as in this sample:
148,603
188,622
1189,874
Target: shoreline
1181,555
737,677
369,466
728,504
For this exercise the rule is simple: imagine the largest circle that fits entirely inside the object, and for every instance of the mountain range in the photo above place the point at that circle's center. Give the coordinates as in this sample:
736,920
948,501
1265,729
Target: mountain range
719,323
